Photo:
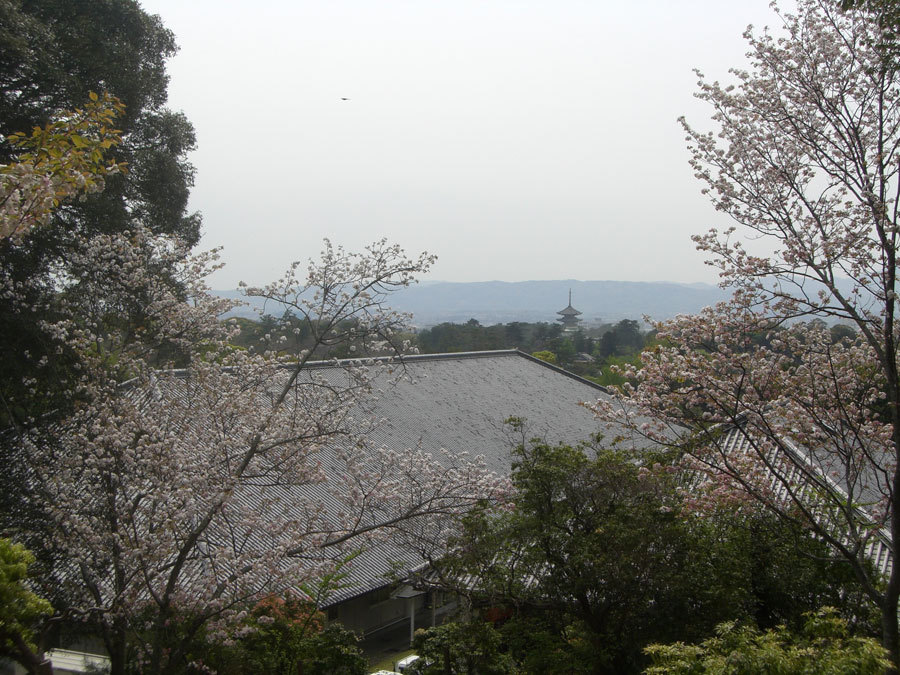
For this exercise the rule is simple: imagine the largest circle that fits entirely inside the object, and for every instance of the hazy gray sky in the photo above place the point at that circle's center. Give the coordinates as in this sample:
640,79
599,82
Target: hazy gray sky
516,139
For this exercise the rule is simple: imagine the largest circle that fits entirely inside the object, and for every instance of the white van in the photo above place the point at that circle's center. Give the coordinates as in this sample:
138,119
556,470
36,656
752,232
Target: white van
409,665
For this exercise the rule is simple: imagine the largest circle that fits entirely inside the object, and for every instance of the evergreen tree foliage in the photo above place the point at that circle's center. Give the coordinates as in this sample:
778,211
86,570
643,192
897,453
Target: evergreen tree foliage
598,556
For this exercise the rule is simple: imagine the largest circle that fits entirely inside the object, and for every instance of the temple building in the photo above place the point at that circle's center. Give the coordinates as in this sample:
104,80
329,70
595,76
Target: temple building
569,316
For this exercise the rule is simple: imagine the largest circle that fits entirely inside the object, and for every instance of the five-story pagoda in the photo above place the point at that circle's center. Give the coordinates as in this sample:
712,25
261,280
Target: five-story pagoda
569,316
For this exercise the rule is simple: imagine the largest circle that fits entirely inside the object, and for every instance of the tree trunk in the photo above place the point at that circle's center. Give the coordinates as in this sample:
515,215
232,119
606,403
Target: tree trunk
889,633
117,659
33,663
116,643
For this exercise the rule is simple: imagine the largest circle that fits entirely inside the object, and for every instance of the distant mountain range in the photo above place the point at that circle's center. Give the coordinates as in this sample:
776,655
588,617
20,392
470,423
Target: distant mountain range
491,302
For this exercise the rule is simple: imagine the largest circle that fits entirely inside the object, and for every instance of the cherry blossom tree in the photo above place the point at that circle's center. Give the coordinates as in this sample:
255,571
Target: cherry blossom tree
804,155
184,496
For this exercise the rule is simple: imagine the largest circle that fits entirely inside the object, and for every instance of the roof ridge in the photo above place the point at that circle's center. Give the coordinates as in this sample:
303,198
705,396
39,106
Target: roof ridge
325,363
565,372
408,358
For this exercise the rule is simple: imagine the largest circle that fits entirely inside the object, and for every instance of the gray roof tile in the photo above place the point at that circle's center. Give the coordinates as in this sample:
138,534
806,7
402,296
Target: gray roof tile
460,402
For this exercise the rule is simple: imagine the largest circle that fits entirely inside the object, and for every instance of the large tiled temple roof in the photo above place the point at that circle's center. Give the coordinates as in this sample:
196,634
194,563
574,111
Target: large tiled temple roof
460,403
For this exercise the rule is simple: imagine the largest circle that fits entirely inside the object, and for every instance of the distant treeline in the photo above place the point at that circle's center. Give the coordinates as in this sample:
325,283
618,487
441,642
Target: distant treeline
289,334
587,352
582,351
590,352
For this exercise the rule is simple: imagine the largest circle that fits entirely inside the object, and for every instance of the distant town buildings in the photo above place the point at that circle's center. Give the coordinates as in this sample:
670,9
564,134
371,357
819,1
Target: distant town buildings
569,316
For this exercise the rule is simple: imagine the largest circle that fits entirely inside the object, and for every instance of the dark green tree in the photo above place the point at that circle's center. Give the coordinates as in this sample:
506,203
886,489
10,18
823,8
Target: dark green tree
598,558
609,343
841,331
462,648
564,349
515,333
543,333
623,339
583,343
